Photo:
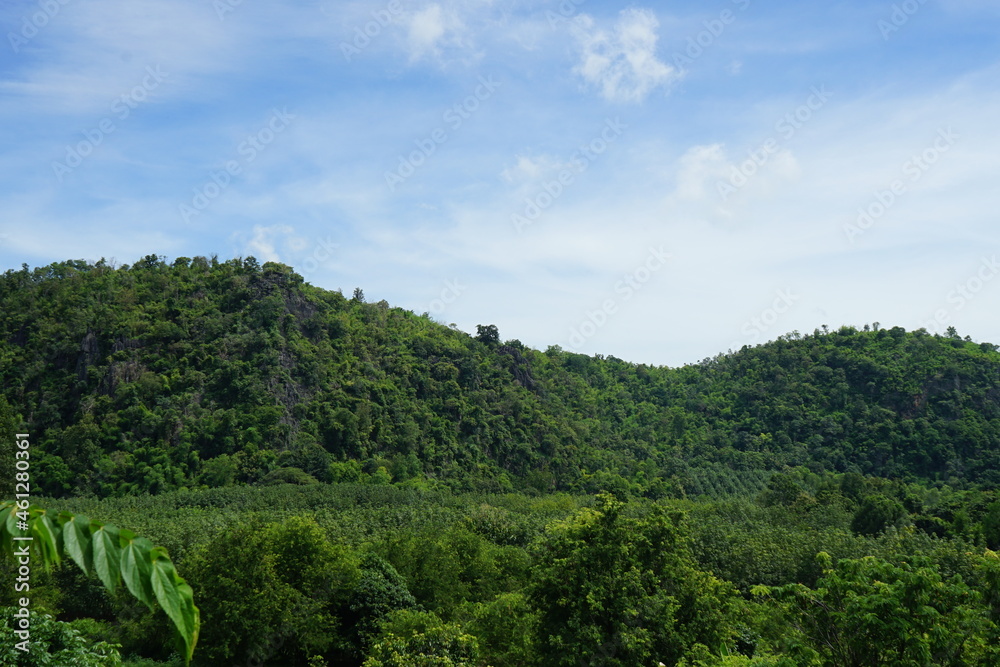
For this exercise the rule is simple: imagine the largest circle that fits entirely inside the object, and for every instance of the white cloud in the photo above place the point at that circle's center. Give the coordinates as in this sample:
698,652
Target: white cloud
622,62
530,169
426,28
708,177
431,29
698,165
262,244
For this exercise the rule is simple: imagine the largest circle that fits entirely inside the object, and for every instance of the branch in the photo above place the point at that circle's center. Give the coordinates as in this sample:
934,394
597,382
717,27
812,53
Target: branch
116,555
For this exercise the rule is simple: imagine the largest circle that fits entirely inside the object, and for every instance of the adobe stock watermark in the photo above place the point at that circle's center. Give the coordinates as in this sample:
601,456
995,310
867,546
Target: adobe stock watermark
900,16
567,9
363,35
757,325
449,294
33,24
247,150
454,117
963,293
914,168
579,161
22,497
121,109
630,284
322,253
786,127
224,7
699,43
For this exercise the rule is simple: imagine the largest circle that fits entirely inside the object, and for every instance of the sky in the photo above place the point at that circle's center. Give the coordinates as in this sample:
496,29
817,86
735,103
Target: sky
661,182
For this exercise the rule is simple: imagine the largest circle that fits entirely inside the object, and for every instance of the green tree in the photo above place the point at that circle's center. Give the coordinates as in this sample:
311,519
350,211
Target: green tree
487,333
9,422
866,612
220,471
781,490
421,639
875,514
379,591
617,591
505,627
991,525
273,592
444,568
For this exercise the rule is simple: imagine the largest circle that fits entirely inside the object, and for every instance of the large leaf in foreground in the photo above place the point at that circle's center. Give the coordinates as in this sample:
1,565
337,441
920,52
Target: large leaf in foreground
115,555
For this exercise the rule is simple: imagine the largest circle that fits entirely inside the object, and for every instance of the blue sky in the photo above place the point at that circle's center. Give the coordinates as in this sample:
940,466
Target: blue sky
658,181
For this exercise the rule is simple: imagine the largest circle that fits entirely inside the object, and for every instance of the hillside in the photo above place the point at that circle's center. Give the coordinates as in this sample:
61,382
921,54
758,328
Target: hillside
158,375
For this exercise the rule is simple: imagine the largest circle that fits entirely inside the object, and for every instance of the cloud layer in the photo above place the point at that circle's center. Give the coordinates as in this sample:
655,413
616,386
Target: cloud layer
529,158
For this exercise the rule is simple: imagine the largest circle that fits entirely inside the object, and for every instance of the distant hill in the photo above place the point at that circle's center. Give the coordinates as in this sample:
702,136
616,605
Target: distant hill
161,375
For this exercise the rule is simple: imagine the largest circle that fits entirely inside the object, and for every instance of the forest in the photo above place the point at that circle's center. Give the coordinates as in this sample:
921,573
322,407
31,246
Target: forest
347,483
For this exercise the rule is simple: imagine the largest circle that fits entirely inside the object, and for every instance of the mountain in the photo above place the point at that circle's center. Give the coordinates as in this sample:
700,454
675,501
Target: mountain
161,375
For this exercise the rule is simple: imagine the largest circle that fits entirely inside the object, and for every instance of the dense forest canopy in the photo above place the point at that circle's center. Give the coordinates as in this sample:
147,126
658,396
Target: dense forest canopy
346,483
201,372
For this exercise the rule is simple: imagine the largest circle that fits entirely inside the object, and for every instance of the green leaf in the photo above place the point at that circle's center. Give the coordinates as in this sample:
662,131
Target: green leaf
176,598
46,536
112,553
136,566
76,539
107,554
7,510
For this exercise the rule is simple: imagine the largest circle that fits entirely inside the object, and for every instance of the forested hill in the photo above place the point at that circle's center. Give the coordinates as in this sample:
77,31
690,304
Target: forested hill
157,375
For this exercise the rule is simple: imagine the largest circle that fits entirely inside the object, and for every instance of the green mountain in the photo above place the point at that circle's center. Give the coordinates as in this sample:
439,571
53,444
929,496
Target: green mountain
158,376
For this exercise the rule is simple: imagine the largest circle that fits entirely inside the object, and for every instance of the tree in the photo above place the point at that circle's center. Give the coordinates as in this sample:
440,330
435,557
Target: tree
380,590
505,628
219,471
421,639
872,612
9,423
273,592
991,525
618,591
781,490
488,334
876,513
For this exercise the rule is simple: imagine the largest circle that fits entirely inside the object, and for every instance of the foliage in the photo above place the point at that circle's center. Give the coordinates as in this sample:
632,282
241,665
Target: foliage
487,333
325,569
160,376
114,554
876,514
701,656
52,644
380,590
506,629
346,482
278,590
445,568
421,639
623,591
872,612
